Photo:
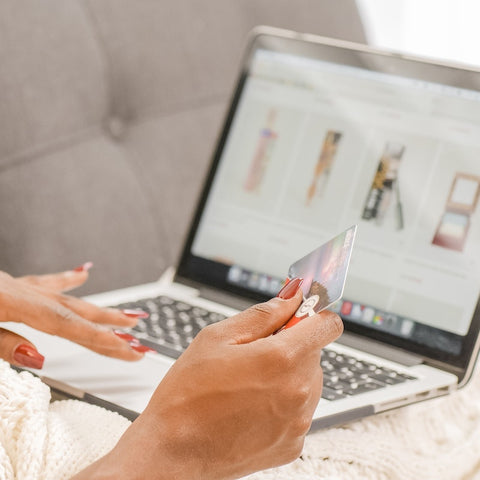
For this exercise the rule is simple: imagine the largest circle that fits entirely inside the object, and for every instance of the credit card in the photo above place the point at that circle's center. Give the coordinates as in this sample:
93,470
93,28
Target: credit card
324,272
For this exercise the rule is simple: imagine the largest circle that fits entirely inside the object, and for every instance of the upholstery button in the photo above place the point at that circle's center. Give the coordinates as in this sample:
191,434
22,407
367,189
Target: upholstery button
116,127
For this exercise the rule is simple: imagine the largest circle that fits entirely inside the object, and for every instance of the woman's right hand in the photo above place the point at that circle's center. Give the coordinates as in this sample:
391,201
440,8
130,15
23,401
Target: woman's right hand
238,400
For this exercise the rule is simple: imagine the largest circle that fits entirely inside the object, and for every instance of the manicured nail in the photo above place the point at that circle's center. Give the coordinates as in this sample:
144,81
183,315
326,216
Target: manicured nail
290,289
135,313
28,356
127,337
142,348
134,342
84,268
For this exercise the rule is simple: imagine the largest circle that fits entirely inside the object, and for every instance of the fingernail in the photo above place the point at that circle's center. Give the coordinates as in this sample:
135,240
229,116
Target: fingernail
126,336
28,356
142,348
134,342
135,313
290,289
84,268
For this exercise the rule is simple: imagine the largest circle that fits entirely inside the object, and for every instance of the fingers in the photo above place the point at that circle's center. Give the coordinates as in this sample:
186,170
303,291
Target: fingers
316,331
67,324
29,301
259,321
49,316
17,350
117,345
50,286
105,316
62,281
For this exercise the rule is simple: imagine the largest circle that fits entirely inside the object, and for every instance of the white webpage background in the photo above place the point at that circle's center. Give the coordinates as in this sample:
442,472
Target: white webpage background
266,230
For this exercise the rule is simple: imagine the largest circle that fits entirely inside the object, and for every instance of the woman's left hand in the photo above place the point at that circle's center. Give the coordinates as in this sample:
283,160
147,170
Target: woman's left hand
39,302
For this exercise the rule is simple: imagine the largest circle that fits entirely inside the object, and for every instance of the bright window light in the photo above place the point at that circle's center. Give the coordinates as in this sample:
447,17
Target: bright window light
443,29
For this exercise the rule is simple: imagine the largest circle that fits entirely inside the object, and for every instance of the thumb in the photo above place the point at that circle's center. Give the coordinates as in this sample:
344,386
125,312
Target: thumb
315,332
261,320
17,350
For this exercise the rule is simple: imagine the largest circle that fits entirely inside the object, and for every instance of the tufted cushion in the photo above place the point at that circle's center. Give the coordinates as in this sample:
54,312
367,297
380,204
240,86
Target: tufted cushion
52,80
108,113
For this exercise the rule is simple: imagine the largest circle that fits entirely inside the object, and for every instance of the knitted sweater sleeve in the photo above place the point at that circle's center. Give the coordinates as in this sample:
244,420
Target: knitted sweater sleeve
40,440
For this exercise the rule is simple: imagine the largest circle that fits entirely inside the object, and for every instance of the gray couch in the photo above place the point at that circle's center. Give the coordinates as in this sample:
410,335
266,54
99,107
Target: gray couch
109,111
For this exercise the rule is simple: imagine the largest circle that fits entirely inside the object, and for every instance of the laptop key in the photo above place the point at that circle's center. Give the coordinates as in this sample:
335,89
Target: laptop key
215,317
152,332
363,388
199,312
329,394
180,306
387,379
163,300
164,348
140,327
337,386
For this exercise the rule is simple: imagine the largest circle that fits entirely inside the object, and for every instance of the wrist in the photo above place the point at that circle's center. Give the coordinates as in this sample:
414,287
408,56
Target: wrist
146,450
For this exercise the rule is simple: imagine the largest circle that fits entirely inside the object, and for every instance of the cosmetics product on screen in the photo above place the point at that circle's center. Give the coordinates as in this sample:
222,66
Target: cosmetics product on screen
452,230
263,154
324,165
384,193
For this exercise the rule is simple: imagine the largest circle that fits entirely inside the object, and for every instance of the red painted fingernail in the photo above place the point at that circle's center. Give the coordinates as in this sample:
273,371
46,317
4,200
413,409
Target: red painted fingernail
135,313
142,348
28,356
133,342
290,289
126,336
293,321
84,268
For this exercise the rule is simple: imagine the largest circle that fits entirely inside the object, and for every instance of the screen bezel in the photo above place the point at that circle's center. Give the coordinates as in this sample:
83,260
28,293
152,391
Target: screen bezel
196,271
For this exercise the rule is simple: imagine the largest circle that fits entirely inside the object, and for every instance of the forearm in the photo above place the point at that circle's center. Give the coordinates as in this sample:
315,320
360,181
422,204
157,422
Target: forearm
146,450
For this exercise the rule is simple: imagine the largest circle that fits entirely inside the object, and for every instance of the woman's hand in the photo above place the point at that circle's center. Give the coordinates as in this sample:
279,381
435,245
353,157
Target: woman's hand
238,400
38,301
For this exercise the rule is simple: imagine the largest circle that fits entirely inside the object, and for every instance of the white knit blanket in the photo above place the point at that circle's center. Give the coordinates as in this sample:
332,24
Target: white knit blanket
438,439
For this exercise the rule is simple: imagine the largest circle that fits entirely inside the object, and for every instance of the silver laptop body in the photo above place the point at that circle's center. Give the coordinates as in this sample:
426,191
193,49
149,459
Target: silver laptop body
321,134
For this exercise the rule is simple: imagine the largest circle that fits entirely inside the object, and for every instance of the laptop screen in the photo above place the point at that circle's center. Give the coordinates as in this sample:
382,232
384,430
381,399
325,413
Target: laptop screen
321,139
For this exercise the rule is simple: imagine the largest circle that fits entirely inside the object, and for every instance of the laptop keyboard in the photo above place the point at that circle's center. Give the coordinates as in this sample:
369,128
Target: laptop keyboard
173,324
345,375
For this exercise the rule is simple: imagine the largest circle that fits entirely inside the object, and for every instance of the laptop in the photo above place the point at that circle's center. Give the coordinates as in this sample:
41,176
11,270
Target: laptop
322,134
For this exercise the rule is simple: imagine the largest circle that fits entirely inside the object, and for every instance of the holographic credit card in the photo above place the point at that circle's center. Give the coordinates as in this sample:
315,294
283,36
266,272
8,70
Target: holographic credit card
324,272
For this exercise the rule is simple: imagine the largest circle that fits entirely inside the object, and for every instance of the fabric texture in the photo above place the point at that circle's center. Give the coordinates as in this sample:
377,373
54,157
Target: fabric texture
435,440
43,441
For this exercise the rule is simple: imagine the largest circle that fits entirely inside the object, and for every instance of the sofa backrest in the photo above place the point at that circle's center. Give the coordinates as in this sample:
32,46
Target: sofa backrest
108,113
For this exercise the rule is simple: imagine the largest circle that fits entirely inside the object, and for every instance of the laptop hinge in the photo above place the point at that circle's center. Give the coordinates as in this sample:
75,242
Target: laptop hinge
380,349
232,301
213,294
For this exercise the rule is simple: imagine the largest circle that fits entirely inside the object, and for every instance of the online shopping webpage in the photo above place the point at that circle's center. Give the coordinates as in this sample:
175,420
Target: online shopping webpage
316,147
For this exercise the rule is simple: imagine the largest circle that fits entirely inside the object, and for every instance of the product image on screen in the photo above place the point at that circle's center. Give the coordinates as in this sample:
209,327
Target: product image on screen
384,193
324,165
324,272
454,225
263,153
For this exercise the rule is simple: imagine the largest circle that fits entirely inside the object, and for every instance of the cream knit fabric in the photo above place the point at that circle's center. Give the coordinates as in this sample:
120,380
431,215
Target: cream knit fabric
439,439
435,440
43,441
